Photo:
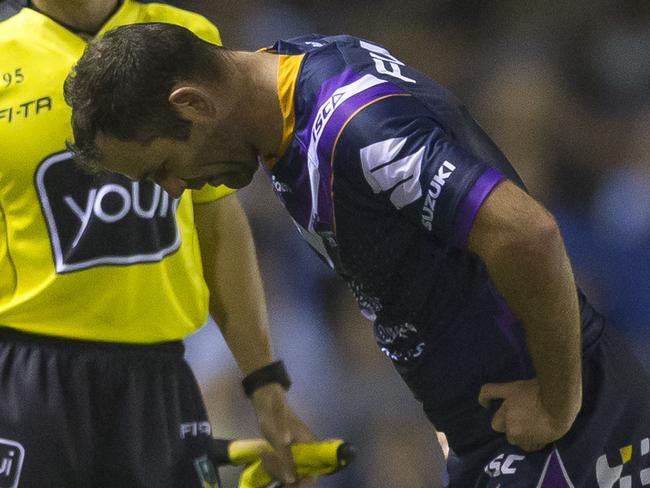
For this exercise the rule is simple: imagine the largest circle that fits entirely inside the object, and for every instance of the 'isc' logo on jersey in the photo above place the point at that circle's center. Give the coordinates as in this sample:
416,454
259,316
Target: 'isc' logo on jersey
106,219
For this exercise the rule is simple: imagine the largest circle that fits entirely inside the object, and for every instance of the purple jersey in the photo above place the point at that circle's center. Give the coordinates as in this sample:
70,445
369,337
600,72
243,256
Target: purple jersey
383,175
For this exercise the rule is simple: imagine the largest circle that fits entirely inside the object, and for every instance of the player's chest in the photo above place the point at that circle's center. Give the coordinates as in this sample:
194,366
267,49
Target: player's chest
341,225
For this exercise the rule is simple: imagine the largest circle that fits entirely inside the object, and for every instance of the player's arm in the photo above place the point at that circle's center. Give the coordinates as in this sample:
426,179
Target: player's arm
238,306
410,163
390,152
230,269
521,246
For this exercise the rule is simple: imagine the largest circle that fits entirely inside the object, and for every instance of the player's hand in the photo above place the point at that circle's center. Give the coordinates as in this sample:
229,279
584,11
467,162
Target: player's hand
281,427
522,416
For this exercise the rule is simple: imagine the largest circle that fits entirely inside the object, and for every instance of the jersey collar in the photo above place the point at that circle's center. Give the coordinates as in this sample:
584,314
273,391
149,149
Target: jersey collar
124,13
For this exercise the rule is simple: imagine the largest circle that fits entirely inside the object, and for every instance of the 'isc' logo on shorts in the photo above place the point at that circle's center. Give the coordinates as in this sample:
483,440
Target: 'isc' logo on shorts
12,454
503,464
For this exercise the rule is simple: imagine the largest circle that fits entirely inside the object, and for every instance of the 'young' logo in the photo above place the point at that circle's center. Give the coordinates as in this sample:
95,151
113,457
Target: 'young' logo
103,219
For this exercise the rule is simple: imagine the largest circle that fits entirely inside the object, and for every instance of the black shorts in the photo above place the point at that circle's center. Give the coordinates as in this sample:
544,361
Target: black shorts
88,414
607,447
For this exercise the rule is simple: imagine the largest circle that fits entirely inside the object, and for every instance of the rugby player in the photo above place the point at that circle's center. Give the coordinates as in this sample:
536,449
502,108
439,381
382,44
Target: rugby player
100,279
395,186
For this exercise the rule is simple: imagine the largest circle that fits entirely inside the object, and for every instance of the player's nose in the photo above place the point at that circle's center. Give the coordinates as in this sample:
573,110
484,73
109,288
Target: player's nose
174,186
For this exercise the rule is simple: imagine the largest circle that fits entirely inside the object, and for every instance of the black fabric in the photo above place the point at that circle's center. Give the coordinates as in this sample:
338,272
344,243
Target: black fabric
82,414
615,414
9,8
219,451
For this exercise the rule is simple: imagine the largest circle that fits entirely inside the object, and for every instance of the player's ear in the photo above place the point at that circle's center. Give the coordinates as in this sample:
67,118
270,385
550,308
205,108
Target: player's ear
192,103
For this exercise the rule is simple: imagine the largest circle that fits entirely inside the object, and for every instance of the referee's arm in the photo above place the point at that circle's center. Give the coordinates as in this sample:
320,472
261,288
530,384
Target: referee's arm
238,306
230,270
521,245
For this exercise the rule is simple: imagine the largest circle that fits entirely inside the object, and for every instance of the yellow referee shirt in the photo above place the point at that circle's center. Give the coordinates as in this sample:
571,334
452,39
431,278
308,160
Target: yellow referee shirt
85,257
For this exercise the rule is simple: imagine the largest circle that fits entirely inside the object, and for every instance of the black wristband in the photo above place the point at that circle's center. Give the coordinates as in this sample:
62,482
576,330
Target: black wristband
271,373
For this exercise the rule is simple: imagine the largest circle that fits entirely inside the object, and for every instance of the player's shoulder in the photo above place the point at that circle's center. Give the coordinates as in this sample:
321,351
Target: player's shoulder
387,126
313,43
157,11
329,62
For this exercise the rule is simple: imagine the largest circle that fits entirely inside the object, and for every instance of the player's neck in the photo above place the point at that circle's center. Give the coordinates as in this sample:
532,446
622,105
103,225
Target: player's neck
86,16
261,105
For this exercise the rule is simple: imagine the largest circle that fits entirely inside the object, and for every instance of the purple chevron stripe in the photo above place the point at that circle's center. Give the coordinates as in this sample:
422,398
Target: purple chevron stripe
472,202
554,476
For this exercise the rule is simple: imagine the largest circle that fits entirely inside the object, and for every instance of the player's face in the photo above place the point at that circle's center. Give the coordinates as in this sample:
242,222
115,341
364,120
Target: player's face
208,156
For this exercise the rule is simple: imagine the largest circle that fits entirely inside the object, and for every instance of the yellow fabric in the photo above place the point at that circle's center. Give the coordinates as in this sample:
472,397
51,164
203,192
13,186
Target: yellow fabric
160,298
288,67
626,454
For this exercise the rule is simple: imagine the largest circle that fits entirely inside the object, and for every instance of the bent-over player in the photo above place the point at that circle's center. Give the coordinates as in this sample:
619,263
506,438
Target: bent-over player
395,186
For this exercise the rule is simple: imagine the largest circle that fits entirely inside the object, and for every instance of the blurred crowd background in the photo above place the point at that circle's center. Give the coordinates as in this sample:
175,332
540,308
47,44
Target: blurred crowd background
562,87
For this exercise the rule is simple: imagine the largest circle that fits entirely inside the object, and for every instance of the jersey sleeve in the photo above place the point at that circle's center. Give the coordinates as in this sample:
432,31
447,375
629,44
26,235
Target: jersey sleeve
394,154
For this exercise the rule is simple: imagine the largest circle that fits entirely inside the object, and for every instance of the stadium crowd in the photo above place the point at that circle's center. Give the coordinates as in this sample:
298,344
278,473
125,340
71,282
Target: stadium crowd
562,89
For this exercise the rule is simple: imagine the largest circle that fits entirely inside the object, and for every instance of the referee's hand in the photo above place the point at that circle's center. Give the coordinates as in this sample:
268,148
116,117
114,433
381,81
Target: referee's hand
280,426
522,416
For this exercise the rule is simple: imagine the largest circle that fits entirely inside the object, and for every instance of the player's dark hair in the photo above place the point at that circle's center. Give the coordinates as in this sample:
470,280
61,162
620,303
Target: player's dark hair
121,84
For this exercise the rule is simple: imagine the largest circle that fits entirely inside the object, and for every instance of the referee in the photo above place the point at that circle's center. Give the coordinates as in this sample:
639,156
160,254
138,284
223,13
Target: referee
102,277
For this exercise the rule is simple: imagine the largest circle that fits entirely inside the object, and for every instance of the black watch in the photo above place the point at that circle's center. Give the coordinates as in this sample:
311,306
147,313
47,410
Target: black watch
271,373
